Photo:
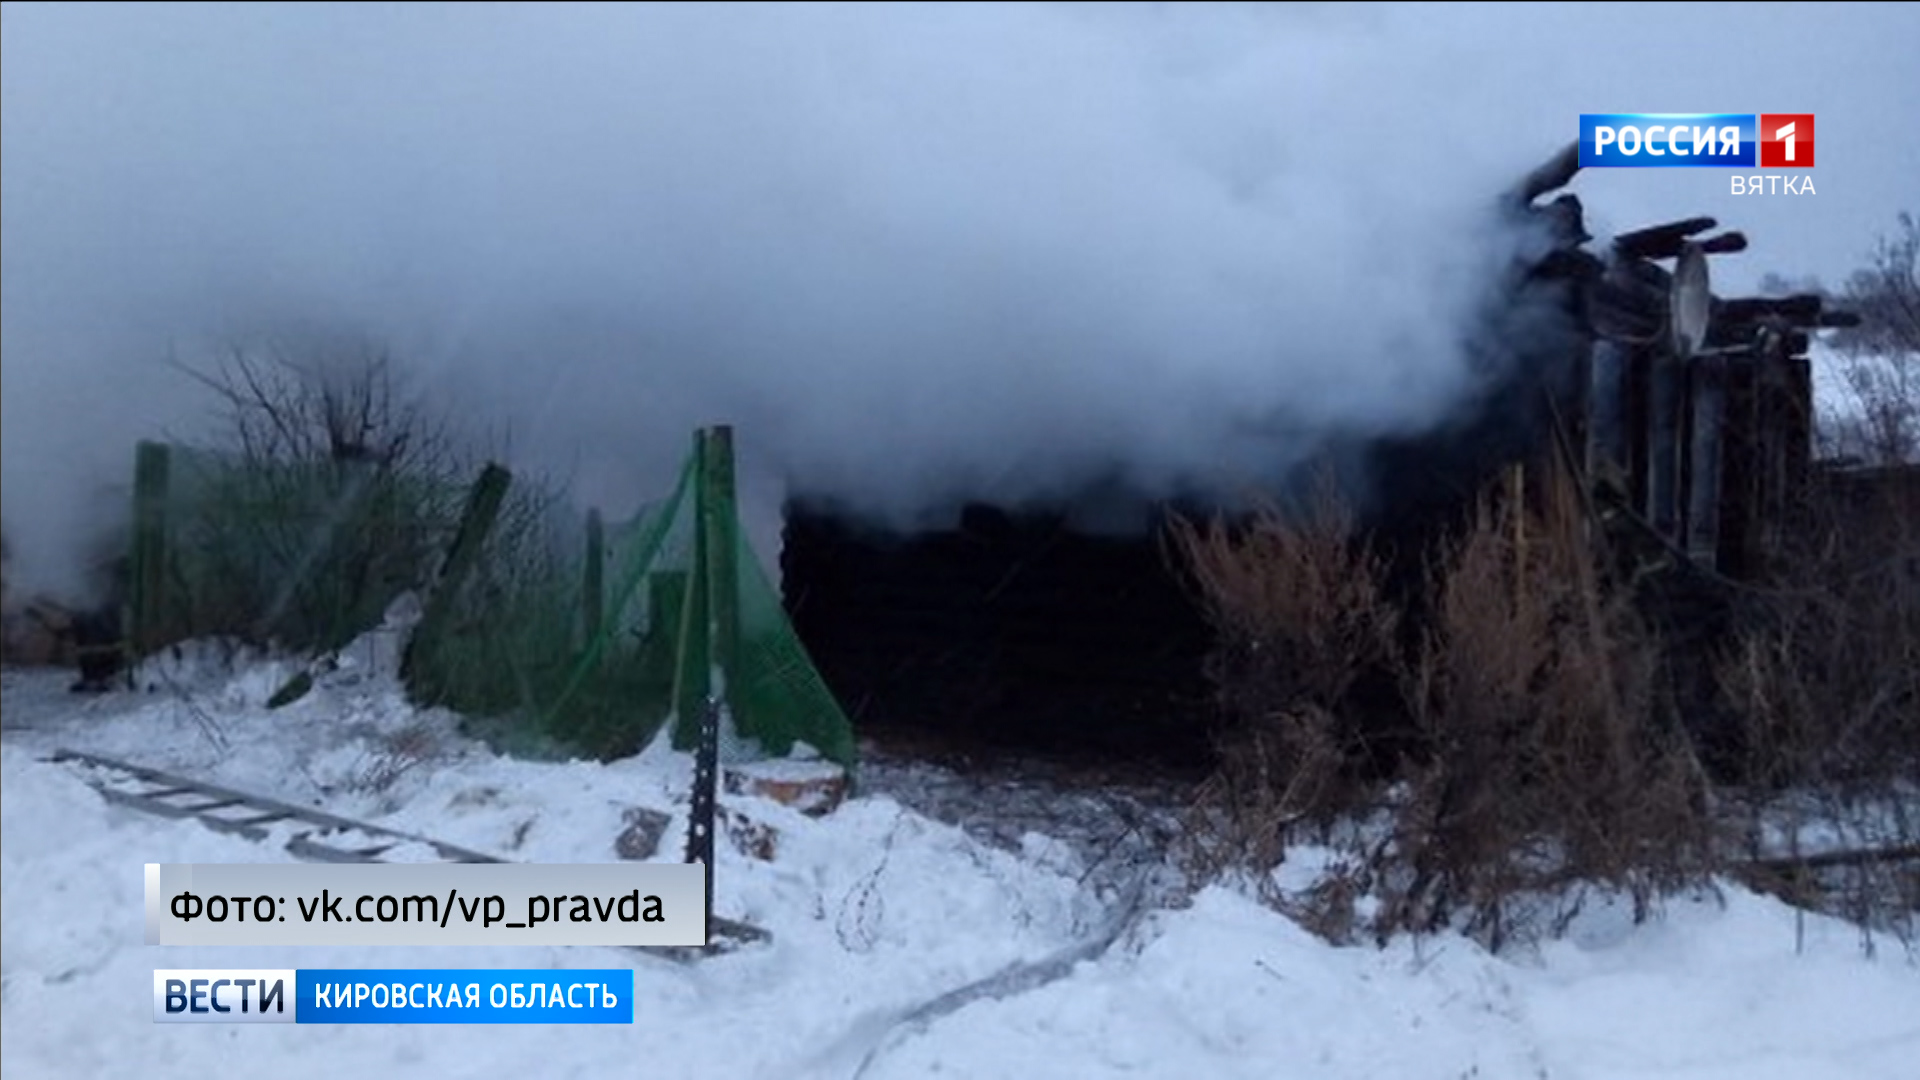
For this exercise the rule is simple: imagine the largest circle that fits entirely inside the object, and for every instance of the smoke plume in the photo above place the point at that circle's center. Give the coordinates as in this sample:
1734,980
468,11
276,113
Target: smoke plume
915,254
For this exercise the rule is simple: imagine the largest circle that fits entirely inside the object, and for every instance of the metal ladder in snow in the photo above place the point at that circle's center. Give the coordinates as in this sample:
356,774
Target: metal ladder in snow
316,836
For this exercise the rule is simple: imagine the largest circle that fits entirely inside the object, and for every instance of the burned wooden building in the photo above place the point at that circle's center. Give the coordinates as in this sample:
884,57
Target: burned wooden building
1690,416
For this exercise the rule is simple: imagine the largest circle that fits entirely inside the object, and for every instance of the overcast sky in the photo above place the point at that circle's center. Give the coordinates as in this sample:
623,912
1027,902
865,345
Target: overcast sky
915,253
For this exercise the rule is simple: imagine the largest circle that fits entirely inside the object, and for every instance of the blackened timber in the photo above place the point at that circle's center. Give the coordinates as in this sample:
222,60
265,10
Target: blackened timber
1565,219
1006,629
1668,397
1725,333
1629,302
1704,495
1798,430
1660,241
1802,309
1555,173
1741,496
1607,455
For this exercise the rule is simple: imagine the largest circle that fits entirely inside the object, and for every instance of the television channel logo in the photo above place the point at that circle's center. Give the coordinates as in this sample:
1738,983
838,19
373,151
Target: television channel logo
1786,140
1696,140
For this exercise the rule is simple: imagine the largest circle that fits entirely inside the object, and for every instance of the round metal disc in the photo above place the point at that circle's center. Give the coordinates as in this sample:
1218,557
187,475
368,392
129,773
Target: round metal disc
1692,301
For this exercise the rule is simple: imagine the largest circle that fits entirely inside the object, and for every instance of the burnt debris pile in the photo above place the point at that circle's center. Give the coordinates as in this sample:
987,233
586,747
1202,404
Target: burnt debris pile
1686,417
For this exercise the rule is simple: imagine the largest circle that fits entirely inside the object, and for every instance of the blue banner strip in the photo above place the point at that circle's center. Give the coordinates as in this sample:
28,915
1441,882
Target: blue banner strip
463,996
1668,140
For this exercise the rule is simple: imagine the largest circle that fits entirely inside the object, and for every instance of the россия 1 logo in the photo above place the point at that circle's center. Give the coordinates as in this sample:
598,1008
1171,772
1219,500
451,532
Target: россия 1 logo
1786,140
1696,140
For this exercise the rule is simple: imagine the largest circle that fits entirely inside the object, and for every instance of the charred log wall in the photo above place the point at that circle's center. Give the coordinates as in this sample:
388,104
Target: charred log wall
1009,631
1707,444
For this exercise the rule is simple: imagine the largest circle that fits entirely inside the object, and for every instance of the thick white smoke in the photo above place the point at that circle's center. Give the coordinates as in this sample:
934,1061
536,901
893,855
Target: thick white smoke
914,253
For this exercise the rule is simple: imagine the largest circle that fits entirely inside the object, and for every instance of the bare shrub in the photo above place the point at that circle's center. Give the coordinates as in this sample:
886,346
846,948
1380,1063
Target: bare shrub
322,398
1825,683
332,490
1877,362
1540,755
1824,680
1331,907
392,757
1827,677
1552,760
1299,616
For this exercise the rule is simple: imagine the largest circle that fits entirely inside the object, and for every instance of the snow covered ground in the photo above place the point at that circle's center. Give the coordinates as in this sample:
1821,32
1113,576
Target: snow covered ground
875,910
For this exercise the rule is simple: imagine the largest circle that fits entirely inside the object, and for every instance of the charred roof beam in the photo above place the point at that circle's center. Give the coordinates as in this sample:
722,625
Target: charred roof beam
1660,241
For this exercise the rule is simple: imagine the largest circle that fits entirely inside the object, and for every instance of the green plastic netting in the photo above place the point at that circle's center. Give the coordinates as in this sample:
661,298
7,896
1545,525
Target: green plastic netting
587,636
597,637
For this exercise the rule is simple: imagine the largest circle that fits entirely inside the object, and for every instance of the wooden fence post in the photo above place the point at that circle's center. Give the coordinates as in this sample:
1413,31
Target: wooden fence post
593,580
484,500
147,574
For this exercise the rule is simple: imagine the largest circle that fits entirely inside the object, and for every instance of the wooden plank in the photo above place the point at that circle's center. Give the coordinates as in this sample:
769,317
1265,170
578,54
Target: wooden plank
1552,175
461,855
304,846
148,557
1660,241
484,500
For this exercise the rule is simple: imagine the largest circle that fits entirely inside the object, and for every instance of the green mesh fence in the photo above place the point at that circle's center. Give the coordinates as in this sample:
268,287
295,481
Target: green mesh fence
593,636
305,555
597,635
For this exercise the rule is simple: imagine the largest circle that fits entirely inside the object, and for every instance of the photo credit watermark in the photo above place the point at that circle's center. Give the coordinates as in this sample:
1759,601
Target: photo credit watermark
645,904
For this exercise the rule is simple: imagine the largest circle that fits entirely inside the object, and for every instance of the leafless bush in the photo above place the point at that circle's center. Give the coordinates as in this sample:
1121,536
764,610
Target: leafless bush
1331,907
1542,757
331,490
1552,760
1827,678
325,398
1877,363
392,757
1825,682
1299,616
